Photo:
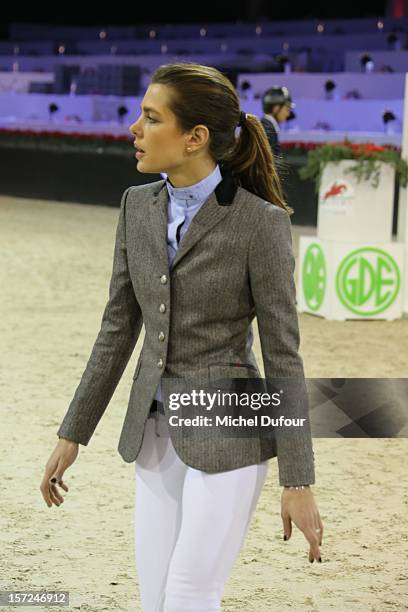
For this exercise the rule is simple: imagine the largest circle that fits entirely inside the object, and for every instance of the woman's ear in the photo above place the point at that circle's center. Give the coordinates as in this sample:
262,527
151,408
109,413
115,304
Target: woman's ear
198,137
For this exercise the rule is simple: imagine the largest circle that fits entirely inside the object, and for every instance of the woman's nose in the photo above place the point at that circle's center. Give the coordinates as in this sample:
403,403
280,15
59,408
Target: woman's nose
133,127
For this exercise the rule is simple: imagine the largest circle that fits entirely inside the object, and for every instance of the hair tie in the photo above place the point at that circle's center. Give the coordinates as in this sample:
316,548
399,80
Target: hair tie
242,119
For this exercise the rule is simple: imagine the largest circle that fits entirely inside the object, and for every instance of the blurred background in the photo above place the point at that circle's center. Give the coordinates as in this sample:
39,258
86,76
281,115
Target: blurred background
71,85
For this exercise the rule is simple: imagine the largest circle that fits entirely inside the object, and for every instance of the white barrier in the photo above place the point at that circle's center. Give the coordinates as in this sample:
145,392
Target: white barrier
351,210
352,269
350,280
403,202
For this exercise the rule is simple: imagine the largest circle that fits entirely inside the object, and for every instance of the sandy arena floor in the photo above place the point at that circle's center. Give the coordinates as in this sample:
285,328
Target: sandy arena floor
56,264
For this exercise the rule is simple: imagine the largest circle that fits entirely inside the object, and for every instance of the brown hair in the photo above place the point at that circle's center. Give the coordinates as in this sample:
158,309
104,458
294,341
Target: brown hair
202,94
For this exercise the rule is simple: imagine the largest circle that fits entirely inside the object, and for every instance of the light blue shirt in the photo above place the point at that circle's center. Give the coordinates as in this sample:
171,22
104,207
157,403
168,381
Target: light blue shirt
183,204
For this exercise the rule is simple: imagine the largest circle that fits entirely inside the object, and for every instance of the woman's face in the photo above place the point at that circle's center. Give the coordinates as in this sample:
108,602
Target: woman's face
156,132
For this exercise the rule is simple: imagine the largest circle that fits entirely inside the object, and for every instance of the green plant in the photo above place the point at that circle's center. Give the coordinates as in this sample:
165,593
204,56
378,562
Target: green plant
367,158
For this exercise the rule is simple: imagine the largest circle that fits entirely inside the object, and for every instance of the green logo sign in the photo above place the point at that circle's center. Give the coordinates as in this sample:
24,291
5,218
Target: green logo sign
367,281
314,276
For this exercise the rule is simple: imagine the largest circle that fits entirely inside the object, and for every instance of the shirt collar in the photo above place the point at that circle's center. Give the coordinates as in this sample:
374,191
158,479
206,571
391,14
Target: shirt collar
272,119
197,192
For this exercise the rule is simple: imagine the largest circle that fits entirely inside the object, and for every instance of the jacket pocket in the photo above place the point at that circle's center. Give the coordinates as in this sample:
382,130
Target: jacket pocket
222,374
242,365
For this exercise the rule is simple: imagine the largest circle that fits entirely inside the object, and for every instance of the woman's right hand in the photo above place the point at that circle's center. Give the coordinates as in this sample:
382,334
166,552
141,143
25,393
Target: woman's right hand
64,455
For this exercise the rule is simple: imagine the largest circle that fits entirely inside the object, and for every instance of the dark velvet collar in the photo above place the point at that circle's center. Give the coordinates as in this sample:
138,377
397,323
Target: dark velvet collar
227,188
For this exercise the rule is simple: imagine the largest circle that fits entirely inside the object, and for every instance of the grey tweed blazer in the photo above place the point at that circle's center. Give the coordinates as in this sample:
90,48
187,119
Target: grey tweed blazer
235,262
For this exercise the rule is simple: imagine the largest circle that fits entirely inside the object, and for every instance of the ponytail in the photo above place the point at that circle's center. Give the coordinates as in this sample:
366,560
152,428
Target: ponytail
253,163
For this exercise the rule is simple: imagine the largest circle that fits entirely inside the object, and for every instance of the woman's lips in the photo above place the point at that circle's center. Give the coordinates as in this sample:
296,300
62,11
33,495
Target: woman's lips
139,151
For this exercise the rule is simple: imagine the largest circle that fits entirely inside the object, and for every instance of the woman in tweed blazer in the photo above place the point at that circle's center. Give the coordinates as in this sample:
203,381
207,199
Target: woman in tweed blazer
231,259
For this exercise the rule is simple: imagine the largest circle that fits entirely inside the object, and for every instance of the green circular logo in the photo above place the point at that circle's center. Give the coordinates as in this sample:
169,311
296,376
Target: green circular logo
367,281
314,276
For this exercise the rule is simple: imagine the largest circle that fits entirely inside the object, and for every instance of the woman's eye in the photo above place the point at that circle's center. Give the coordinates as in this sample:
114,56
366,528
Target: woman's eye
151,120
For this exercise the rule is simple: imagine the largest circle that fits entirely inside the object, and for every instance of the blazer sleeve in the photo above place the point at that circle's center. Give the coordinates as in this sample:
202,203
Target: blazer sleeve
271,267
119,330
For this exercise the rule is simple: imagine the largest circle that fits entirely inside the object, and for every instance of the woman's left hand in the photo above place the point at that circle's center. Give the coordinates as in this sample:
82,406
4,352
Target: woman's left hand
299,506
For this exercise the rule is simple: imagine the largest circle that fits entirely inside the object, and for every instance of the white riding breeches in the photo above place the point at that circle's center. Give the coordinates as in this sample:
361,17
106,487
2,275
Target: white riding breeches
189,525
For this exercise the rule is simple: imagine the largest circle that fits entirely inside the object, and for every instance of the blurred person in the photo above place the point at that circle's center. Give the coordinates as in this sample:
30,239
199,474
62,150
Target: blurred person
276,105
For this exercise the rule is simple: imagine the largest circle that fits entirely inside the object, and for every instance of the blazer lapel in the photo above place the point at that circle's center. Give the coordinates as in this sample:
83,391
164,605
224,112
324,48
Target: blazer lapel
212,211
208,215
158,225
